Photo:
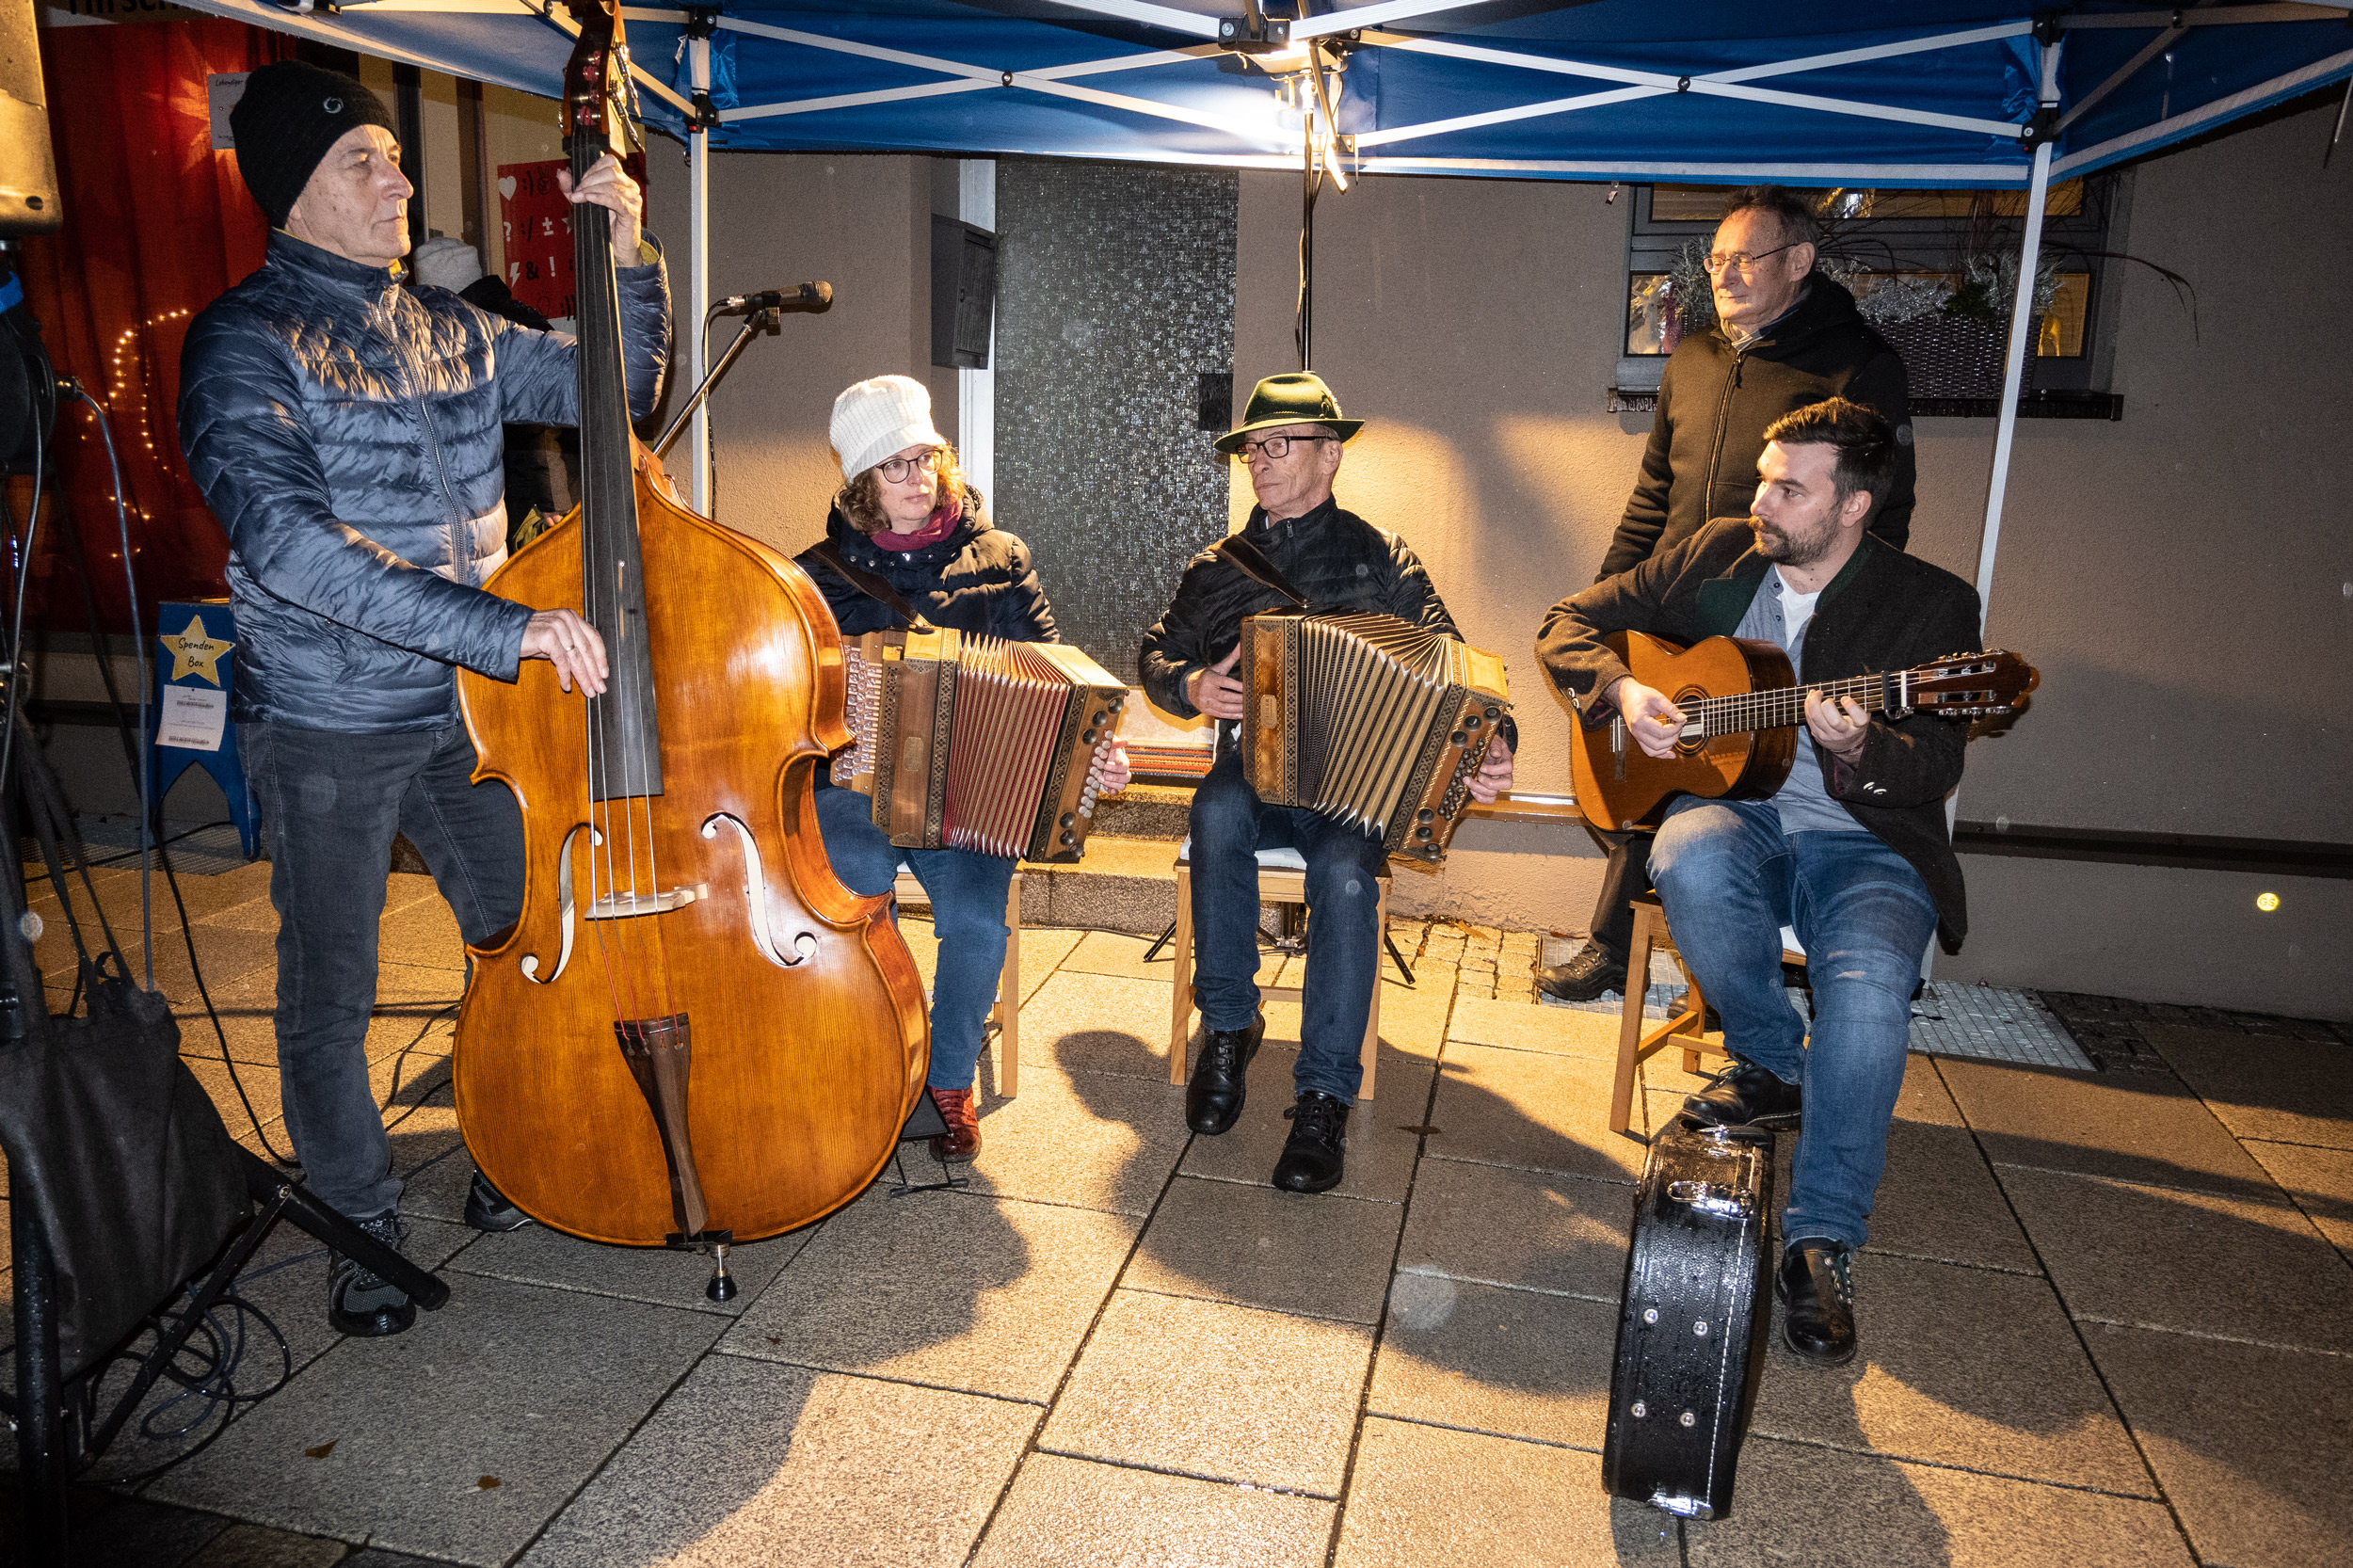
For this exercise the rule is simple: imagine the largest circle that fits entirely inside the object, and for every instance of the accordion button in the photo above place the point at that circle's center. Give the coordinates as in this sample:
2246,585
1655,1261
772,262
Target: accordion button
1422,815
1097,718
1458,737
1067,819
1421,832
1087,739
1067,839
1495,712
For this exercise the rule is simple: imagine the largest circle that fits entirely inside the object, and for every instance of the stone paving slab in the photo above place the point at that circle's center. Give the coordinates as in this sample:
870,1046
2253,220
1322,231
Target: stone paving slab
1561,1031
1962,1368
1319,1256
2254,1446
537,1255
1939,1200
2132,1127
458,1439
1531,1110
2263,1086
1483,1358
1076,1513
957,1290
1089,1022
2320,1181
749,1464
1795,1503
1284,1411
1423,1495
1561,1234
1089,1139
2193,1262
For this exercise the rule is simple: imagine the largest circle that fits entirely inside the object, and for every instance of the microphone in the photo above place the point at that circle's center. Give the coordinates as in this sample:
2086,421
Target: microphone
806,297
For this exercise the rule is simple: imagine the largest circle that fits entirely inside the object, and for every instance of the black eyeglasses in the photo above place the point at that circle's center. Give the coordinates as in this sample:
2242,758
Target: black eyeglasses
1276,446
1715,260
897,469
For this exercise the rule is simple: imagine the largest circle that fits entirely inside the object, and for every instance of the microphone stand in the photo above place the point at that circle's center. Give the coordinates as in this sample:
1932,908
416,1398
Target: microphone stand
768,319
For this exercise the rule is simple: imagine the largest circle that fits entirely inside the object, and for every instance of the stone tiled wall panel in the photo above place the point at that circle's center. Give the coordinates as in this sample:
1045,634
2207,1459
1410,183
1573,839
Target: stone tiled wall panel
1114,293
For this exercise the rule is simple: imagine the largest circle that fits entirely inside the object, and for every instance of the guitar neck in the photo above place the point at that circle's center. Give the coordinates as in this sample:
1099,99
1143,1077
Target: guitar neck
1784,707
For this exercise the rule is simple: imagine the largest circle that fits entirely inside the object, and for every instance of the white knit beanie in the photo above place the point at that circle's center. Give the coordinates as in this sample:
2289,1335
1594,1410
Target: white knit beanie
874,419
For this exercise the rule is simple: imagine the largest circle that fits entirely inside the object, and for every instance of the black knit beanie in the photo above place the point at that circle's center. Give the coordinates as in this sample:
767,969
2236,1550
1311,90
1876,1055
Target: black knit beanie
291,113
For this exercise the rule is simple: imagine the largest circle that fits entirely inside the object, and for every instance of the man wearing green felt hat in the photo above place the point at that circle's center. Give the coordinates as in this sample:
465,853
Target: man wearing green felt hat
1290,436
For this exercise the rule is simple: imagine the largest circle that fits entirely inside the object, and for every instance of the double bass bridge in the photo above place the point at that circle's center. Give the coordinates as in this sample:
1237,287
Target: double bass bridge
630,904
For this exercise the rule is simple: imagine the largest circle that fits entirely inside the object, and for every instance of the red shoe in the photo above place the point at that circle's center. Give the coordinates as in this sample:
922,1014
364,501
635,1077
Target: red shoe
962,1140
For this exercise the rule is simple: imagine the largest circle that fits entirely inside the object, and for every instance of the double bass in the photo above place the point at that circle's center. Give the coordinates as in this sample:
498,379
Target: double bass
694,1035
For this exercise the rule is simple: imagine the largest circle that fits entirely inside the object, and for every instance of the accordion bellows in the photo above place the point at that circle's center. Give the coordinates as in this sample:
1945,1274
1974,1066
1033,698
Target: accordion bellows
968,742
1369,720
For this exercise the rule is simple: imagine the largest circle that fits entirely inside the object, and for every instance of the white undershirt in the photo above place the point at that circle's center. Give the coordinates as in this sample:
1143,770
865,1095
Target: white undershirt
1796,609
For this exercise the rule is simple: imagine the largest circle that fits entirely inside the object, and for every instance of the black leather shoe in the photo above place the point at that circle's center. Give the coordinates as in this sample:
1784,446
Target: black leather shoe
1315,1154
1588,973
1817,1284
487,1207
359,1301
1213,1098
1744,1096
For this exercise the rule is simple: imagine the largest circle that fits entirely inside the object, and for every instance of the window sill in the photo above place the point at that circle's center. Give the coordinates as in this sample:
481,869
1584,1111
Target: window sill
2036,404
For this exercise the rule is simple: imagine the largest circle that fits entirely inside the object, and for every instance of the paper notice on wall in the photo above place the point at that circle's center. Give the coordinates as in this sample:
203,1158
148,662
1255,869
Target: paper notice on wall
194,718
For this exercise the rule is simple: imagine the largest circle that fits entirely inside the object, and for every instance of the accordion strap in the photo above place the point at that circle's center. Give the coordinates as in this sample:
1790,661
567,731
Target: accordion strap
871,585
1248,559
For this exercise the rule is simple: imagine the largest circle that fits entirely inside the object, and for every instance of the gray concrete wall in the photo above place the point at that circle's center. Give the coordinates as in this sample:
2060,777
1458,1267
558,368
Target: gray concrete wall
2183,579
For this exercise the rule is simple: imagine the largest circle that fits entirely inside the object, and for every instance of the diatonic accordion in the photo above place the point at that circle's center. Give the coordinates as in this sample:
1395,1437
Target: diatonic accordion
1369,720
968,742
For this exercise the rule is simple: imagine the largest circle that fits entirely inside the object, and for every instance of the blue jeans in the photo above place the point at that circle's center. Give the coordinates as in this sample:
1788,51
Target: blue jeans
1230,824
1731,879
330,802
968,893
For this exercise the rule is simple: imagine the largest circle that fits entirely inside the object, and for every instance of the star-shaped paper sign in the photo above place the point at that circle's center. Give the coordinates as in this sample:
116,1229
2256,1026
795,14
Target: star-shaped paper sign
195,652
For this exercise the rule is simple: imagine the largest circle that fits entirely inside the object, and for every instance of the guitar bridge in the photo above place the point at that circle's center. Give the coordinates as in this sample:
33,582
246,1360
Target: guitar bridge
1617,746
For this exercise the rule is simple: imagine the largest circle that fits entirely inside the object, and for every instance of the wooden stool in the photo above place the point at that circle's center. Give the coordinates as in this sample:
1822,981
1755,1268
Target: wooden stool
1282,879
1686,1025
1007,1012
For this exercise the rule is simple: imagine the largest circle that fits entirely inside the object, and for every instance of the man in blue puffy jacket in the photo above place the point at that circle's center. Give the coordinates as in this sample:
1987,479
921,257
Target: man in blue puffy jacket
345,432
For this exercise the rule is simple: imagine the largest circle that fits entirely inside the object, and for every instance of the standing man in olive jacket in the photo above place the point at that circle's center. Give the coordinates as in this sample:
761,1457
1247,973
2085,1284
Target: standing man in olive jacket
1853,849
1785,336
1292,435
345,433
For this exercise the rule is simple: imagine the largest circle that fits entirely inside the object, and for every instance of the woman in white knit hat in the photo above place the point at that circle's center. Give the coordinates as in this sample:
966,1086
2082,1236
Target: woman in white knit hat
906,514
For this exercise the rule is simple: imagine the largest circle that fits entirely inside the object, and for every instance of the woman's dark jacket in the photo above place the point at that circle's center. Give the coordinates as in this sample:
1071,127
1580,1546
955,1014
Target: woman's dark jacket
1885,611
1337,559
345,433
977,579
1715,402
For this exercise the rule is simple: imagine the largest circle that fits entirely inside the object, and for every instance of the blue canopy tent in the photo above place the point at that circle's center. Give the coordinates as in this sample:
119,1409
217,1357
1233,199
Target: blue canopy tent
1963,93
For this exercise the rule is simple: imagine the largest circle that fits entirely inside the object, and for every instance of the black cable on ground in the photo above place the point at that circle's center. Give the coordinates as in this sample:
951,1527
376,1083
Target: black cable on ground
187,935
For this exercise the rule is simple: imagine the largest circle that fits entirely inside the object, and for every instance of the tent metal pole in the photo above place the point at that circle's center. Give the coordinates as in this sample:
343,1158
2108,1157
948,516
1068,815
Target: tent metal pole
698,275
2013,370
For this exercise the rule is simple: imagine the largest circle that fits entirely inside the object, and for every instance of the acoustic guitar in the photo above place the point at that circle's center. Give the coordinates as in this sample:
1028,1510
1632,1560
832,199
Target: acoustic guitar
1741,710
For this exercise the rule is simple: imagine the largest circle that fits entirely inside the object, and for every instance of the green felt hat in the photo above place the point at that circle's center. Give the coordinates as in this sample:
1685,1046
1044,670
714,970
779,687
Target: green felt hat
1300,399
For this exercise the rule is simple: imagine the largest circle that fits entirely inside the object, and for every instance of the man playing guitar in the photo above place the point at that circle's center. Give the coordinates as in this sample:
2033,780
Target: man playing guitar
1853,849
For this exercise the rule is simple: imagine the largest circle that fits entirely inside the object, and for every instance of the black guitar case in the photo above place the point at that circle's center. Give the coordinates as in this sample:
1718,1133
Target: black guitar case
1692,1329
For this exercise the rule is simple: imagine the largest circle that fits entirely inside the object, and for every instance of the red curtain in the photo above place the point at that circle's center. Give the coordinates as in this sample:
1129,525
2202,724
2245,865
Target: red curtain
157,226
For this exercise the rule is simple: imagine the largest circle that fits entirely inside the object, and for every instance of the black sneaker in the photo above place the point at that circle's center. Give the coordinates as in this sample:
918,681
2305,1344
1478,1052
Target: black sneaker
1745,1095
1214,1095
488,1209
1315,1155
1816,1284
1590,973
358,1301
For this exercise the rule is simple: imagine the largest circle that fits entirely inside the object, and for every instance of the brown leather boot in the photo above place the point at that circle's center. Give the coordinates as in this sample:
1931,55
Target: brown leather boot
962,1140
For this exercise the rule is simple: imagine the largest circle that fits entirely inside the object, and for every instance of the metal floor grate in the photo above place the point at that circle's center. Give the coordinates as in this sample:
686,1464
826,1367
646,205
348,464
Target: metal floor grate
1949,1019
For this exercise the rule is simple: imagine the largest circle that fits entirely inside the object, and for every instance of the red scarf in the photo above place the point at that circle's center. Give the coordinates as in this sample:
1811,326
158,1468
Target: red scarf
951,512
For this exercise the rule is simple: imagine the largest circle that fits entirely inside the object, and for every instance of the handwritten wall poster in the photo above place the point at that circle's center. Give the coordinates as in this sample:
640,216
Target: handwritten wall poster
539,234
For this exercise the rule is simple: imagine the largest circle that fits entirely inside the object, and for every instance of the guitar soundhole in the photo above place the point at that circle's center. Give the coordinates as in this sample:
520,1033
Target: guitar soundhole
1691,743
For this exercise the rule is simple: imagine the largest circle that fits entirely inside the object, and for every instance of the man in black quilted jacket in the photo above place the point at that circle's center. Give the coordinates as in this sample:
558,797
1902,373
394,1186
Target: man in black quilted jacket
1785,336
345,433
1292,435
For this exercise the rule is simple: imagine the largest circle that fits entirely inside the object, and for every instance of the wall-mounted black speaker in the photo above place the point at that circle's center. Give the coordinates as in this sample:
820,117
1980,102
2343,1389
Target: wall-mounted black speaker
28,169
964,293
